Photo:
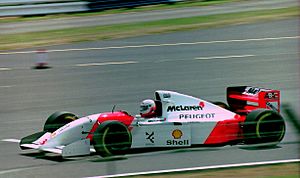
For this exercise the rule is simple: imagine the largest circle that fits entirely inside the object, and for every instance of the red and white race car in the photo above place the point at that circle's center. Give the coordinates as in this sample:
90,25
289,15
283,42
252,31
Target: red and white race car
251,117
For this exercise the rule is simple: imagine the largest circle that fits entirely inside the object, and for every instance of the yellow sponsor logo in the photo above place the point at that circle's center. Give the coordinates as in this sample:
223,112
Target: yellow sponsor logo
177,134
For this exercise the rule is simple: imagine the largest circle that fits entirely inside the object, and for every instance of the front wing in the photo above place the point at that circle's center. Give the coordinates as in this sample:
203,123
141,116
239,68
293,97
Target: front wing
78,148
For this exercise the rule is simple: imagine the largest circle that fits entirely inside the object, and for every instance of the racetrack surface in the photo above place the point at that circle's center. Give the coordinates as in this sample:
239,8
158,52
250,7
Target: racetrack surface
200,63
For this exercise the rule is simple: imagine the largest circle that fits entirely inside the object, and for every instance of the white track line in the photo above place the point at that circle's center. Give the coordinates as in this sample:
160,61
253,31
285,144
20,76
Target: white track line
106,63
201,168
6,86
157,45
15,170
224,57
4,69
11,140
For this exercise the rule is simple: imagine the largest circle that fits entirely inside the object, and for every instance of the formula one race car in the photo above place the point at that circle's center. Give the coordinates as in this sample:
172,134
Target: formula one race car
251,117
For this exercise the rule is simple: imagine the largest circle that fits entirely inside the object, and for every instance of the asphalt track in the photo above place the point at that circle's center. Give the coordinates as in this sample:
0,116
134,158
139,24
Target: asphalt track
201,63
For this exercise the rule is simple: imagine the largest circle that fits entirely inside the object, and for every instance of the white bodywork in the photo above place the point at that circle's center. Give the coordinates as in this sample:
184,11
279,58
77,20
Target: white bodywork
184,121
69,140
192,119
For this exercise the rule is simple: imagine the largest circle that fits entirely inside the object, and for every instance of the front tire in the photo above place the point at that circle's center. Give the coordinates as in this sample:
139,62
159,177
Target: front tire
57,120
30,138
263,126
112,138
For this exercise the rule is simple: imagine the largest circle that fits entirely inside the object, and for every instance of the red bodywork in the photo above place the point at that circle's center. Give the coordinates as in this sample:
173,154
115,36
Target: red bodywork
120,116
226,131
242,100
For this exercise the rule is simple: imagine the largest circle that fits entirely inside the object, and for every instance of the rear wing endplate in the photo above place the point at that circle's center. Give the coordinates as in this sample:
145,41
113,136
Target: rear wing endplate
250,98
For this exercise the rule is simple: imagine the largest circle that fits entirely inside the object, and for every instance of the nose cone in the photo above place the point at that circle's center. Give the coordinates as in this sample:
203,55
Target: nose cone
70,133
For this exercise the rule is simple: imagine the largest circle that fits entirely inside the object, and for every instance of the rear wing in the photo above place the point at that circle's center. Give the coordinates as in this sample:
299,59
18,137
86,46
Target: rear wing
248,98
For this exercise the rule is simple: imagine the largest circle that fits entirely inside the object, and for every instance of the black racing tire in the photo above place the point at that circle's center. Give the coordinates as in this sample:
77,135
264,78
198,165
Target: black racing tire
30,138
57,120
263,126
112,138
221,104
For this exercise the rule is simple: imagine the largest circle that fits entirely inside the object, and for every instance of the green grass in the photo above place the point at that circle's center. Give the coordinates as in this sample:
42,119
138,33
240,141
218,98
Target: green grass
190,3
71,35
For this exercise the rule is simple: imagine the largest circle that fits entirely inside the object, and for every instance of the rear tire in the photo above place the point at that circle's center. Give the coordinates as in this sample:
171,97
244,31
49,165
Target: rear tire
112,138
57,120
263,126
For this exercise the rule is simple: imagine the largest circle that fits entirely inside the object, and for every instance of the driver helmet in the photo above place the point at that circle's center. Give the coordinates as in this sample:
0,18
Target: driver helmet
147,108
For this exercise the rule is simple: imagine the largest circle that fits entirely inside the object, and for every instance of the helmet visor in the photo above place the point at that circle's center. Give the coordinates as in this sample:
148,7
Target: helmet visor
144,108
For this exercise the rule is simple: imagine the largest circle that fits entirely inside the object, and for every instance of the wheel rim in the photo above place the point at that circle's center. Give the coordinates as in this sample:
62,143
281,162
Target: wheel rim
112,139
269,128
115,139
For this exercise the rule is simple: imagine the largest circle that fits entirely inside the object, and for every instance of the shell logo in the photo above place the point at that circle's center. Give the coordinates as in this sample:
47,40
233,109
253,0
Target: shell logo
177,134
